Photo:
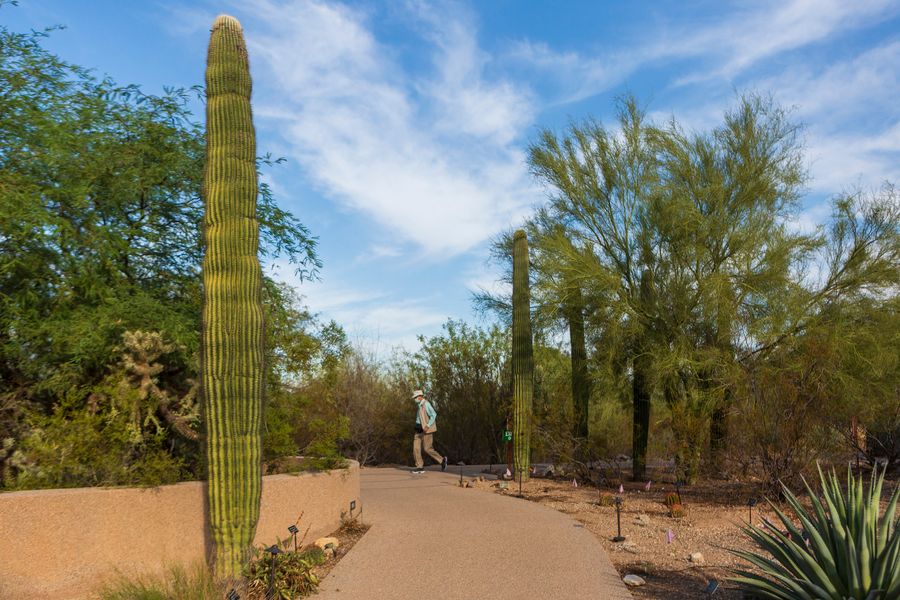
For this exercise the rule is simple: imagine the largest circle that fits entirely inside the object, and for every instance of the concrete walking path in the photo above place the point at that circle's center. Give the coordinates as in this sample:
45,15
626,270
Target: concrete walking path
432,539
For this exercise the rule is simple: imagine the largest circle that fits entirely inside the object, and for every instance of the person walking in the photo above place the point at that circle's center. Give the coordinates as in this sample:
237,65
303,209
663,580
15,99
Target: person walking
426,417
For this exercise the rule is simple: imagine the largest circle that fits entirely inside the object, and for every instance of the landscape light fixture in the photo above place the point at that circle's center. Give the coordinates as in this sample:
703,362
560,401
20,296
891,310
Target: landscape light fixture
293,530
619,537
750,504
712,588
274,550
232,595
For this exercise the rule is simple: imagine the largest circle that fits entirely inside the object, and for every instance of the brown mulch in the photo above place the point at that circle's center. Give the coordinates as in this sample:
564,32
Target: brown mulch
349,533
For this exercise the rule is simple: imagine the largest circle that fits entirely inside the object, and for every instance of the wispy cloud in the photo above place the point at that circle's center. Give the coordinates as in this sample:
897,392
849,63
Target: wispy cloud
722,46
430,156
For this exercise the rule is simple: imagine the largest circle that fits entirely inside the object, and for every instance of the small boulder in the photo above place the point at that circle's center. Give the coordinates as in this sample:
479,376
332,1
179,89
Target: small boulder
642,520
503,485
697,558
325,542
631,547
632,580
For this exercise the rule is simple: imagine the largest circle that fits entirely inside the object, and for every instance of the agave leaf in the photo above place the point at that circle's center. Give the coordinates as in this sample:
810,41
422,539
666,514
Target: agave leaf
824,559
887,522
762,587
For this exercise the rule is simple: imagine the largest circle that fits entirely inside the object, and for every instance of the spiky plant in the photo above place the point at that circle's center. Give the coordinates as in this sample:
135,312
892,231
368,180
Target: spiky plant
842,550
522,357
232,341
672,499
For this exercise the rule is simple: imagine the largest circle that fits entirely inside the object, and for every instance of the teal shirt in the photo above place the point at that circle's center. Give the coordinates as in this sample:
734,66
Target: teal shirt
429,412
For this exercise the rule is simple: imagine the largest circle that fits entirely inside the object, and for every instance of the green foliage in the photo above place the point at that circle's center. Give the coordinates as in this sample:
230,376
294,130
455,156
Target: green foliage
676,511
100,215
196,583
293,573
73,447
324,451
121,435
853,549
466,373
672,498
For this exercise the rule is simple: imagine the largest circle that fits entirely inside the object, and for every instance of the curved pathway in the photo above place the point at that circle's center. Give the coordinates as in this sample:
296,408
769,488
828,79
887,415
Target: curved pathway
432,539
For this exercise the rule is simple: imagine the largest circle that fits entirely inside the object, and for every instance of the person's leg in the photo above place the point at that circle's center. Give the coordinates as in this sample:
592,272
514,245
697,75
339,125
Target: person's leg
417,450
431,451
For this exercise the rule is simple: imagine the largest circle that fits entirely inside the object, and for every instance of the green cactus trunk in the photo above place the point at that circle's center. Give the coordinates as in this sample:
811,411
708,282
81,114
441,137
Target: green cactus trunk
232,341
522,358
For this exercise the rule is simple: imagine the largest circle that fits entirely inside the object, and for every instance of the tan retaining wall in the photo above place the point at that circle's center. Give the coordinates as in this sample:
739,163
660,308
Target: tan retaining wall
63,544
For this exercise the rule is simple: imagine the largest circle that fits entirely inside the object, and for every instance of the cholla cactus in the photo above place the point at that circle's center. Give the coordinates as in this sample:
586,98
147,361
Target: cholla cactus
232,341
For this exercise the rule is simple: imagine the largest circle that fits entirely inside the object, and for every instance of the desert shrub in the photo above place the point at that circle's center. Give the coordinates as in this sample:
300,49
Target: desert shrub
195,583
843,547
293,573
73,447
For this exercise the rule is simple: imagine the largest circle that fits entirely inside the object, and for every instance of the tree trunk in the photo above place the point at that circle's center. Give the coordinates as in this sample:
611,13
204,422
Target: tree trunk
581,383
641,424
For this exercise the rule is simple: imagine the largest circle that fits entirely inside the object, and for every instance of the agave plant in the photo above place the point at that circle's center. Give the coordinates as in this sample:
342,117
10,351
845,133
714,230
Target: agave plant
842,549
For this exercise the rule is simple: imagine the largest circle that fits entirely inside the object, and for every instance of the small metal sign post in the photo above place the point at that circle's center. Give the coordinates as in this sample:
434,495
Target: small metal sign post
293,530
521,472
678,484
507,435
619,537
750,504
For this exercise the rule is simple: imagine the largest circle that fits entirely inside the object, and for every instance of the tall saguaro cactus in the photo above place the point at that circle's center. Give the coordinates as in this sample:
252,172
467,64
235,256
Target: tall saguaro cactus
232,341
522,357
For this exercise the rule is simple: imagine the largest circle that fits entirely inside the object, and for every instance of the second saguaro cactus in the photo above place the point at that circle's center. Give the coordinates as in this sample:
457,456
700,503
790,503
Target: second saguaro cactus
232,339
522,357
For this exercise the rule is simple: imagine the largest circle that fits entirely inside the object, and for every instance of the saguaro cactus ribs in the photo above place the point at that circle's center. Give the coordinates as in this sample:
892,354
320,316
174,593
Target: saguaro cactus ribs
232,341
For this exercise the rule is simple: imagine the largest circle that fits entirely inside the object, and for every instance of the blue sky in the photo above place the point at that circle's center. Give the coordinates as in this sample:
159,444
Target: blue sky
405,124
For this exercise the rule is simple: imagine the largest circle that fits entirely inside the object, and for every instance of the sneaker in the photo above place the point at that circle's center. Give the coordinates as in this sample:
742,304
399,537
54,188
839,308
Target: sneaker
444,464
418,471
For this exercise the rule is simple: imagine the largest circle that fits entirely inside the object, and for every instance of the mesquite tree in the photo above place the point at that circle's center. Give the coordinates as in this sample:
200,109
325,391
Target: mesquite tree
232,340
522,357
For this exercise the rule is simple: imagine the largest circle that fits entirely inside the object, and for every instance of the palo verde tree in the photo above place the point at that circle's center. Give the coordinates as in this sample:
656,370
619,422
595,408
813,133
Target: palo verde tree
232,370
599,182
522,357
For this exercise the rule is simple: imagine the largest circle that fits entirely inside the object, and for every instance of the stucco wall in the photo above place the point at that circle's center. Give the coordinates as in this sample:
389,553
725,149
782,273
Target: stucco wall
62,544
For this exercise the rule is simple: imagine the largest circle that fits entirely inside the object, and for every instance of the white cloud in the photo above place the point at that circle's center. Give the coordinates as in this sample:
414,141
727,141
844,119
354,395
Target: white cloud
853,123
763,30
429,157
725,47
